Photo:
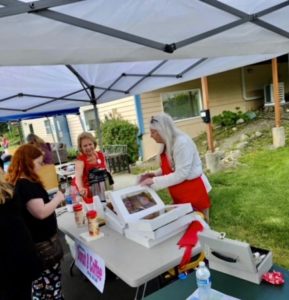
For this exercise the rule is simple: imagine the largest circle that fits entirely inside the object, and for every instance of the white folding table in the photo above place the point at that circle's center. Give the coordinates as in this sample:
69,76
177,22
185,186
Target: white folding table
131,262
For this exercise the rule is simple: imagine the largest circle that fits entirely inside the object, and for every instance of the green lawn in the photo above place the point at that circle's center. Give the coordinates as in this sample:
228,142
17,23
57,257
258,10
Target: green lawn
251,203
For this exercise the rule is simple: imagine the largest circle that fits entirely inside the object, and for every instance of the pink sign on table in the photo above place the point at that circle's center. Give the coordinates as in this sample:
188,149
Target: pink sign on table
91,265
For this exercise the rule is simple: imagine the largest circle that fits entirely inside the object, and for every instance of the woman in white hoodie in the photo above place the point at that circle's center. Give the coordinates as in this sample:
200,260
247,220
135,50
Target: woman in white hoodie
180,165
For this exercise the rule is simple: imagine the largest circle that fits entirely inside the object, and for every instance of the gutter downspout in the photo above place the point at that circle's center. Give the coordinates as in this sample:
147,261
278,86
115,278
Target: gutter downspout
243,82
140,122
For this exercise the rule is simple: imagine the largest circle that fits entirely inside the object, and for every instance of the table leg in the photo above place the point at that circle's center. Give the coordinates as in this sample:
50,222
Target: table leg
138,291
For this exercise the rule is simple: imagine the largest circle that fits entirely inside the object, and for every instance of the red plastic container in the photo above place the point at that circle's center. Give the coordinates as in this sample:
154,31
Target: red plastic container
78,214
92,223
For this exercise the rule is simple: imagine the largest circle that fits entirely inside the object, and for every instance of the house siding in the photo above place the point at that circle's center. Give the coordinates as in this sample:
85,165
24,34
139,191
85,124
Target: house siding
39,128
225,93
123,108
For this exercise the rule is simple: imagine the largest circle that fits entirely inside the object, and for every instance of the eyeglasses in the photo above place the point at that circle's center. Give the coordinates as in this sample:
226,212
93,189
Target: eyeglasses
153,120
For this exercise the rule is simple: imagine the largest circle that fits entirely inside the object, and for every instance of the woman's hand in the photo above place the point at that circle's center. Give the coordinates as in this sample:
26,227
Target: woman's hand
147,182
83,192
145,176
59,197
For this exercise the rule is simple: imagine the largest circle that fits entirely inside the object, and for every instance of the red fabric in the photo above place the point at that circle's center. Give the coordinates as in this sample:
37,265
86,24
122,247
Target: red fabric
189,240
189,191
99,164
275,278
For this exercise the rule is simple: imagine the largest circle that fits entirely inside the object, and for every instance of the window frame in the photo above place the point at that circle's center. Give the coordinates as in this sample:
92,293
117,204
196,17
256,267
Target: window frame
48,128
184,91
86,120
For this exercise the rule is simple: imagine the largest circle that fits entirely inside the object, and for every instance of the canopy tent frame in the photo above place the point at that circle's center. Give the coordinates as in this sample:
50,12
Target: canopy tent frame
41,8
90,87
90,90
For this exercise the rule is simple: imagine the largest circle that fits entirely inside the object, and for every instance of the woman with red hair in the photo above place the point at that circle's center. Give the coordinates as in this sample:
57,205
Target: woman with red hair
39,216
18,260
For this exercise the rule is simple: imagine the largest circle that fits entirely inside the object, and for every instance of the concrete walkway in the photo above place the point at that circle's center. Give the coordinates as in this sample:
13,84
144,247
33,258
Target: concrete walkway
123,180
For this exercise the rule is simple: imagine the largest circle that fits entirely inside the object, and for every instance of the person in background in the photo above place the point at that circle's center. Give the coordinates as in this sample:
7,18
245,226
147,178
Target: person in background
4,142
86,162
39,215
19,263
44,147
181,168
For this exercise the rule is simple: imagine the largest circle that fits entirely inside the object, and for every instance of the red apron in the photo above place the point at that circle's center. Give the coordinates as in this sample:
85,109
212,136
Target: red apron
189,191
99,164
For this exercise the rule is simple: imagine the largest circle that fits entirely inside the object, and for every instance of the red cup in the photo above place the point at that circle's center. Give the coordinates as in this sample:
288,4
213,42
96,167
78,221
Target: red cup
77,207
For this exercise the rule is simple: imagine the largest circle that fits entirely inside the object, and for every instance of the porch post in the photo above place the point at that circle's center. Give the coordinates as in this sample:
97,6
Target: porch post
212,158
278,131
209,129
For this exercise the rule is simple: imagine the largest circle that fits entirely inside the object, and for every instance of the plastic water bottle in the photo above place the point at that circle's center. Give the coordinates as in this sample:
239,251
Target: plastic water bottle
68,199
203,277
74,194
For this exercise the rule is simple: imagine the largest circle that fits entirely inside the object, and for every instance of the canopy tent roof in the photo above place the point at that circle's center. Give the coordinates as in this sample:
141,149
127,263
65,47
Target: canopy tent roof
119,48
33,91
96,31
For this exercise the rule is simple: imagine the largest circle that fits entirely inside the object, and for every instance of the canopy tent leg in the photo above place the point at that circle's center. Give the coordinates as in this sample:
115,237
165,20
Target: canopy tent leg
96,115
99,137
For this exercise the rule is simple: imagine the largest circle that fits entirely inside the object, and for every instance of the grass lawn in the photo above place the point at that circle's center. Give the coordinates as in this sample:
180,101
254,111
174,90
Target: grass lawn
251,203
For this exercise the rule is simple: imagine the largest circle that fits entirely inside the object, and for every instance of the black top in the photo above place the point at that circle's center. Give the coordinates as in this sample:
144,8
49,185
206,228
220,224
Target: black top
18,259
26,190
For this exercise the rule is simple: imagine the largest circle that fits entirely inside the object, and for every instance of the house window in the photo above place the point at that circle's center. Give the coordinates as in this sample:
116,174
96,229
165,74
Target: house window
183,104
89,118
47,127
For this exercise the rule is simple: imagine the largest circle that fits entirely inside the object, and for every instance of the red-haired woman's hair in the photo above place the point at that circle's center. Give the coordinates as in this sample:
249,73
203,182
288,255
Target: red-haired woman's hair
22,164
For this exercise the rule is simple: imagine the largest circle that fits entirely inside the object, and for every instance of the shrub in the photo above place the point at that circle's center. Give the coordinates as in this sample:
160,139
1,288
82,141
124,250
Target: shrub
116,131
72,153
230,118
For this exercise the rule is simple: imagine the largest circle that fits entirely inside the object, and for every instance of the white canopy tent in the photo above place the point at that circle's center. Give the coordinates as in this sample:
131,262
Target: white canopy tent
119,48
96,31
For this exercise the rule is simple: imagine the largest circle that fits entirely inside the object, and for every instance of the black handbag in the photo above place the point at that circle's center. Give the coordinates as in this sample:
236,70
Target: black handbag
110,178
50,252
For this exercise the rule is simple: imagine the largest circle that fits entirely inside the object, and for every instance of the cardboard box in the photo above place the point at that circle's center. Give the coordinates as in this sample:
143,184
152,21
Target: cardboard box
141,215
135,202
113,221
164,216
48,176
147,242
234,257
162,231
